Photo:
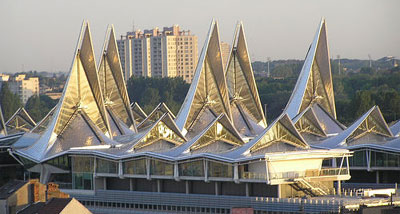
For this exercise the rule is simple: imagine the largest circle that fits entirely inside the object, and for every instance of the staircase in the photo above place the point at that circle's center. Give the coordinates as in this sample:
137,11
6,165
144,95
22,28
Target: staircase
310,188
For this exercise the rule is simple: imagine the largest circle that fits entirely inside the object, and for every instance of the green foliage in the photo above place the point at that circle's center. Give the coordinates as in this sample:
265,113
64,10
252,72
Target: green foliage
39,106
149,92
275,93
9,101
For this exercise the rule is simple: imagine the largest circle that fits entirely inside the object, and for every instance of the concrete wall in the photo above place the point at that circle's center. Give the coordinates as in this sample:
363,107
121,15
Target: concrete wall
117,184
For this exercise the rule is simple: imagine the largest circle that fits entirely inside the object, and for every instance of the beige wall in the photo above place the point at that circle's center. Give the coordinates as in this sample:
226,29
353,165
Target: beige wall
75,207
153,53
19,199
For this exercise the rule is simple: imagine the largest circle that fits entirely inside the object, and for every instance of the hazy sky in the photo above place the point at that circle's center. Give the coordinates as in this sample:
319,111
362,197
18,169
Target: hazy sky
42,34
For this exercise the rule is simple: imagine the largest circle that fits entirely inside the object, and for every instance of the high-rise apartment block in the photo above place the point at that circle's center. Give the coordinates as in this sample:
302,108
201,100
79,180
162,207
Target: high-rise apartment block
23,86
154,53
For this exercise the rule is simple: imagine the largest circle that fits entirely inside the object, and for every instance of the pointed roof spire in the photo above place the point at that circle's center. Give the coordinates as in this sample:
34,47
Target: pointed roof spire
307,122
280,136
82,90
157,112
112,81
371,122
138,113
20,121
163,129
221,129
315,81
80,116
208,89
3,129
241,83
42,125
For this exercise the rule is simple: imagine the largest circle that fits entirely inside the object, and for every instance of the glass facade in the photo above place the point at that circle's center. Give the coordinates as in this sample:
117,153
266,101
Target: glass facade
384,159
82,172
193,168
105,166
377,158
135,167
62,162
216,169
161,168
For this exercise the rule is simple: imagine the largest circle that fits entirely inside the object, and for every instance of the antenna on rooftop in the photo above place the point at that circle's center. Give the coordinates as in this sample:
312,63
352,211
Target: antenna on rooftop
370,61
133,25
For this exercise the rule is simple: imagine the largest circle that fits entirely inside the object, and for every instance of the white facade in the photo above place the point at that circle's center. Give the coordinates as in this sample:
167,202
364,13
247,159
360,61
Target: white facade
155,53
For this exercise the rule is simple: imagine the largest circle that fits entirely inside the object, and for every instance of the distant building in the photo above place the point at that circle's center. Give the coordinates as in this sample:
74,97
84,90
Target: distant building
155,53
22,86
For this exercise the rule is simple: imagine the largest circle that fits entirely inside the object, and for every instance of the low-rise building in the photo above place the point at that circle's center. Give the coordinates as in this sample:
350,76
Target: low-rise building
23,86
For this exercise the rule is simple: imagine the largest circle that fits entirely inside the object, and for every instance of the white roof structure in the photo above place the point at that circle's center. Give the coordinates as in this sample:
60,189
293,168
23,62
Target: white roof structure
138,112
157,112
395,128
112,84
208,93
80,109
20,121
3,129
370,128
315,81
94,105
247,113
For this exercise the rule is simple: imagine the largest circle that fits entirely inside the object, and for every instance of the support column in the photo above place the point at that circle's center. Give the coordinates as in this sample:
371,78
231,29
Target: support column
158,185
236,173
131,184
247,189
105,183
339,187
377,177
94,173
187,187
279,190
205,163
176,172
148,168
120,170
44,174
217,188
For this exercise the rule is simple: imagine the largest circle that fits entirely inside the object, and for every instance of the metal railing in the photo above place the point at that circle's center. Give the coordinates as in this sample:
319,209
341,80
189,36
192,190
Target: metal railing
309,173
333,171
118,200
254,176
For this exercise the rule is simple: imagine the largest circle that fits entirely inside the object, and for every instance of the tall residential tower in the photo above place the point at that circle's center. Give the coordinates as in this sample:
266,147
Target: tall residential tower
156,53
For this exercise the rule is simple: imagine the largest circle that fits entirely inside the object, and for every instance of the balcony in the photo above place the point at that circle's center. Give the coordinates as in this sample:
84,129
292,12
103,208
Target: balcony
253,176
325,173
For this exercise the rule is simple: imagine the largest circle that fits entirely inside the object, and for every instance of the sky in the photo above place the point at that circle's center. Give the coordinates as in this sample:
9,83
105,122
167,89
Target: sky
42,34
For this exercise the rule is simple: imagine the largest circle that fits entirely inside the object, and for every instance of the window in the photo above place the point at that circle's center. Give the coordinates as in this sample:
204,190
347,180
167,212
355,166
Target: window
158,167
105,166
135,167
216,169
193,168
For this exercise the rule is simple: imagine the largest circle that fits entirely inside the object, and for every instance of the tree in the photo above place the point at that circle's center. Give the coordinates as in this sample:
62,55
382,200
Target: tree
149,92
362,102
9,101
39,106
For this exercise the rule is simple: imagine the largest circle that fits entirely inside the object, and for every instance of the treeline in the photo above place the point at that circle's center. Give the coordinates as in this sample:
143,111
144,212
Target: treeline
149,92
355,93
36,106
